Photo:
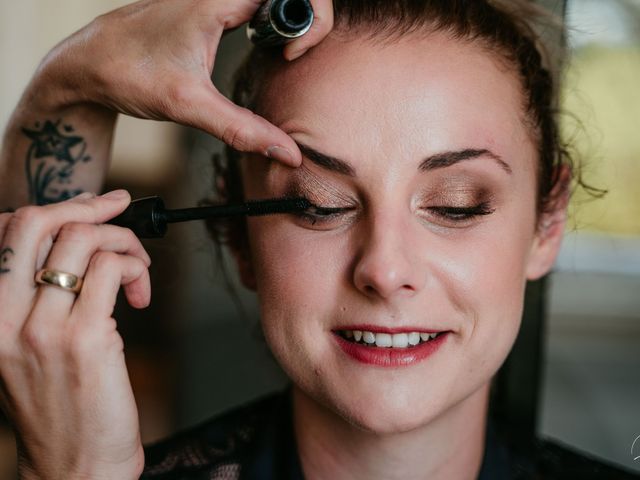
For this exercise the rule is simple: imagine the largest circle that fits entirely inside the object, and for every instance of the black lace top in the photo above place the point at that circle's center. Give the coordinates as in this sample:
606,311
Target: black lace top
256,441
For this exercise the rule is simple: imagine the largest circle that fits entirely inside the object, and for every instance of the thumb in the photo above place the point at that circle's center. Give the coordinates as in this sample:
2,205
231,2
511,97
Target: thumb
207,109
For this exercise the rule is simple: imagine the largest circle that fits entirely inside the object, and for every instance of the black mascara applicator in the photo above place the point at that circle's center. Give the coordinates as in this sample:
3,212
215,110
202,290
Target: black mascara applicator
148,217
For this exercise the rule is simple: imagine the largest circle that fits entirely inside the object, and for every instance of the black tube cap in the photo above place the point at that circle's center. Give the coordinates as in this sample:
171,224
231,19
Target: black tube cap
144,217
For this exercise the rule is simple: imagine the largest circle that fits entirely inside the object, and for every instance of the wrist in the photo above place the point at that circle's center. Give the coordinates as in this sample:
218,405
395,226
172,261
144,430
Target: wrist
52,91
67,80
132,469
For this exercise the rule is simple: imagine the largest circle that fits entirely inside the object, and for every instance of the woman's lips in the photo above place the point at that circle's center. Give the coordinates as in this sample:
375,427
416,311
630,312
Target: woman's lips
387,356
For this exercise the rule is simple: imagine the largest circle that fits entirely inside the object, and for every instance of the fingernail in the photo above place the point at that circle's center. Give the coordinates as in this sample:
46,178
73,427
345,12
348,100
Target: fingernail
84,196
281,154
116,195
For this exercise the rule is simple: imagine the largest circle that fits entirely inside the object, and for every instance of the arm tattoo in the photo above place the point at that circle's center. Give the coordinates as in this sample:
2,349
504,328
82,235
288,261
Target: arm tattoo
50,161
5,255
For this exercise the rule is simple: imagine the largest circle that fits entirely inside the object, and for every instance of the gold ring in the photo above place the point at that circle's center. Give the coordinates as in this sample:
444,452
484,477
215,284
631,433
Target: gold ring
66,281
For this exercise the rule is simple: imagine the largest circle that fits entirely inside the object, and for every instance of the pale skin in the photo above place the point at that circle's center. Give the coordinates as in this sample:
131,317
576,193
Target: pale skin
391,260
64,384
152,59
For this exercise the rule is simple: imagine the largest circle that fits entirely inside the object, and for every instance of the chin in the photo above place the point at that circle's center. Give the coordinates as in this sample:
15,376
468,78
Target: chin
388,424
386,413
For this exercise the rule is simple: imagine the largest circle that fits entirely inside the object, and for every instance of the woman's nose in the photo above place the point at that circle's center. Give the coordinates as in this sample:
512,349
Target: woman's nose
388,265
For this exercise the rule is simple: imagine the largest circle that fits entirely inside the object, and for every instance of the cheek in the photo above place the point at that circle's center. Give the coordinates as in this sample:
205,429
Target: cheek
487,280
298,274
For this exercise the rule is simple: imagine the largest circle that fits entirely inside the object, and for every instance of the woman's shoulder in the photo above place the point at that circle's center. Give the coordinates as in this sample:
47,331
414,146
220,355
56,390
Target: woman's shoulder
218,447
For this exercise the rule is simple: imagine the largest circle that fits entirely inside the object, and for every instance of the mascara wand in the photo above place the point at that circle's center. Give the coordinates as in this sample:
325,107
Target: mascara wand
148,217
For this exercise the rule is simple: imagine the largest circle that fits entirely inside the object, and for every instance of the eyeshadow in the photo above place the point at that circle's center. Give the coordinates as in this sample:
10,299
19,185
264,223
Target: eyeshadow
458,191
305,183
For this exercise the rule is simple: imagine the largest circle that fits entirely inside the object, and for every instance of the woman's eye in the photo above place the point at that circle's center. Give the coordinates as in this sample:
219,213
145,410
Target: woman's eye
317,215
461,214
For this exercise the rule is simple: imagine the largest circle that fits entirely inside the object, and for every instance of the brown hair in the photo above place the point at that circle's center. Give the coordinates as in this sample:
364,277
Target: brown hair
505,28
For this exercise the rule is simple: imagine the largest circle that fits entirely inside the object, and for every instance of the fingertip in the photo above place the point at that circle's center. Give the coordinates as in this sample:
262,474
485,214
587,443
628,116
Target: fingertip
138,293
293,53
322,26
117,195
284,155
83,196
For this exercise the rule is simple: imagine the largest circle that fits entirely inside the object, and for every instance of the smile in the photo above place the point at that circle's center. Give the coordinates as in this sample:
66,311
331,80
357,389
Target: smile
387,340
388,348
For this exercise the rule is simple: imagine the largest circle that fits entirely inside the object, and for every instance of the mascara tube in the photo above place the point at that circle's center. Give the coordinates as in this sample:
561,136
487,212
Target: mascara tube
279,21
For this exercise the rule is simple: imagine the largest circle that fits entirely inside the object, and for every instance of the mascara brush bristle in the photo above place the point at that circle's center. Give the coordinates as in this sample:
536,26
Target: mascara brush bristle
268,207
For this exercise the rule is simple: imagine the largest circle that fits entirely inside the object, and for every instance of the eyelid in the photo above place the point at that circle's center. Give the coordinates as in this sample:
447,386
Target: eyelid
320,192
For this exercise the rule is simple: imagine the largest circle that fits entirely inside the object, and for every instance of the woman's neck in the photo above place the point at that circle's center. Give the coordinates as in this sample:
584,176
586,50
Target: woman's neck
451,446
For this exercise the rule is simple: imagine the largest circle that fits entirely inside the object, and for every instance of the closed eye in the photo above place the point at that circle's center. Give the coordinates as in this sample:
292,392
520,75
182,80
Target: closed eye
317,214
462,213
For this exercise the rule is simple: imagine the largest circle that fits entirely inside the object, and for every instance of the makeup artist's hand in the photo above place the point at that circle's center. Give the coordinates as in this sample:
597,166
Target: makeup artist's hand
154,59
63,381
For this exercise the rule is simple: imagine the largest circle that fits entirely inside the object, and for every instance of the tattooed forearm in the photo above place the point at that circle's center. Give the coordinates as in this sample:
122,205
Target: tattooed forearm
50,162
5,256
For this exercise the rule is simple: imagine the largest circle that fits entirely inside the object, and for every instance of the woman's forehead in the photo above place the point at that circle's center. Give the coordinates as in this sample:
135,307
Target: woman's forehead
423,92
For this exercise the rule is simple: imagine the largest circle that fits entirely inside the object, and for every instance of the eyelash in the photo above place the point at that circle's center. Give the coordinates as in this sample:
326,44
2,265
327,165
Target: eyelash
317,214
459,214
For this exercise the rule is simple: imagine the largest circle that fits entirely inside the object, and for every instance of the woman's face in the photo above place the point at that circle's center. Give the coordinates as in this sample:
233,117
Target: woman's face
423,143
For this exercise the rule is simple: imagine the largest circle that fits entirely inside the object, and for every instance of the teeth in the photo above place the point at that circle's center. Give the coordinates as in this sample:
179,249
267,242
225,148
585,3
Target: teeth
400,340
383,340
368,337
386,340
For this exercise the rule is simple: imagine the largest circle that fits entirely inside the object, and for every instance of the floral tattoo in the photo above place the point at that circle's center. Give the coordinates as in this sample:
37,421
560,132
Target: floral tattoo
51,159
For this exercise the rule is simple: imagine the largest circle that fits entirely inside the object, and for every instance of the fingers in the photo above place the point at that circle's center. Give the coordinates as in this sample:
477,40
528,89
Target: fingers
30,233
322,25
204,107
72,251
106,272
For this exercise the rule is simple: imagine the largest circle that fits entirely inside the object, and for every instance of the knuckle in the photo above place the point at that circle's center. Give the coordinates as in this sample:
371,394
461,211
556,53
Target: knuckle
27,216
177,98
86,340
114,341
77,232
130,238
80,344
104,260
38,340
234,135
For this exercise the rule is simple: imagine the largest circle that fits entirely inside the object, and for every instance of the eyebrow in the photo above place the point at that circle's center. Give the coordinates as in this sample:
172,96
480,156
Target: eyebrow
433,162
326,161
446,159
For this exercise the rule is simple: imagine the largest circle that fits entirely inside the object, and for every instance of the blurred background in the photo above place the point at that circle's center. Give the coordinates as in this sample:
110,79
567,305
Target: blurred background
193,353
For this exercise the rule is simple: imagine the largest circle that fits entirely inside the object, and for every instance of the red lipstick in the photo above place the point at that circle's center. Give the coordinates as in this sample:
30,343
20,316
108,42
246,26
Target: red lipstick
390,357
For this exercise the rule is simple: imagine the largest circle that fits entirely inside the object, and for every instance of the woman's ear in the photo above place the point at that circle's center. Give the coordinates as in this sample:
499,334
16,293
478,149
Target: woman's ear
550,228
